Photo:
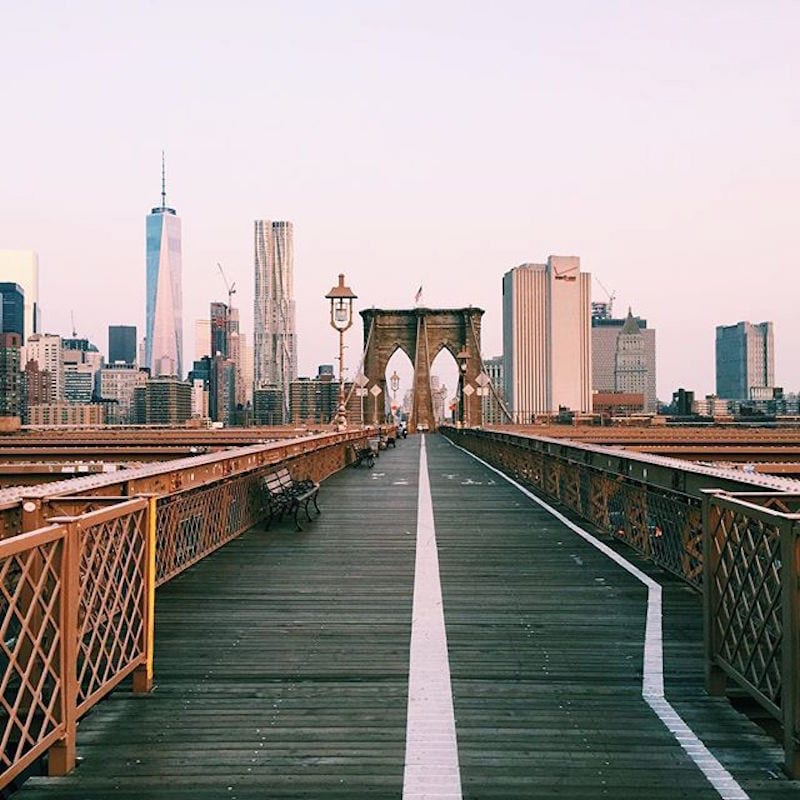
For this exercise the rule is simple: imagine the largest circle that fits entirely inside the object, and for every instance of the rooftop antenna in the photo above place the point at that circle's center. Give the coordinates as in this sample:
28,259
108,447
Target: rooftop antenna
72,316
163,181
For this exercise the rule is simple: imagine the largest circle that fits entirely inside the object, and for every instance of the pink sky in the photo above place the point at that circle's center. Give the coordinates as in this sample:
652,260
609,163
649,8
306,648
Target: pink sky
440,143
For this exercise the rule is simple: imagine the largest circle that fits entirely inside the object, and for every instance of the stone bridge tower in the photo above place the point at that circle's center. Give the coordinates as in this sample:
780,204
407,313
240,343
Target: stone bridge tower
421,333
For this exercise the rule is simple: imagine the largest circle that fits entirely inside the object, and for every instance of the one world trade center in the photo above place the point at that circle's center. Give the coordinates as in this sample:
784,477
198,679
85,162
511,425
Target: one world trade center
164,315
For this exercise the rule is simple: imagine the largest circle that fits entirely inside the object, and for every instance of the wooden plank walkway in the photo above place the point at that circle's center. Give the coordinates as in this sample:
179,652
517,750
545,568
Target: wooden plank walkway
282,662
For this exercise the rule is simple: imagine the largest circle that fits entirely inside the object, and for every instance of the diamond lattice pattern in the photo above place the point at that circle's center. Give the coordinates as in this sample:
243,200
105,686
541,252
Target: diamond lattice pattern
747,583
110,620
192,524
30,644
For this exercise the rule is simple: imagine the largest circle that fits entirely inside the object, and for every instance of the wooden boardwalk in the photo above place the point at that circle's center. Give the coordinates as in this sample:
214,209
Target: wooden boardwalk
282,661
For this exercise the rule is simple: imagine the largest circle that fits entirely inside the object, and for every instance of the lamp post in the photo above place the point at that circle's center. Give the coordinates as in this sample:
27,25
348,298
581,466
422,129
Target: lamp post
394,383
341,298
462,358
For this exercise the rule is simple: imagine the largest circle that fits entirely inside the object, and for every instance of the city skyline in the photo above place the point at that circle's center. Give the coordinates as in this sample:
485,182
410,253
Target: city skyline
620,139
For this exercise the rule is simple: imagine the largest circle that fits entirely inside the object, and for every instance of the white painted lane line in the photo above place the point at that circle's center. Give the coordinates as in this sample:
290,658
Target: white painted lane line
653,678
431,766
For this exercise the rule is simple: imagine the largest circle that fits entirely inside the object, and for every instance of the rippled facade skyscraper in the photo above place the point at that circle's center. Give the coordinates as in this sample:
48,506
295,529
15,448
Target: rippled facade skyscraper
275,341
164,312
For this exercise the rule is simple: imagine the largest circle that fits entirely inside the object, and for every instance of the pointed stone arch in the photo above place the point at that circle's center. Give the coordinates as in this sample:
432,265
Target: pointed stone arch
422,333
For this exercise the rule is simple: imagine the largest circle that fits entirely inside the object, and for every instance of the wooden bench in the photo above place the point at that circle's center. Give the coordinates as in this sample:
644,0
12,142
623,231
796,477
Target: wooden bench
362,455
283,494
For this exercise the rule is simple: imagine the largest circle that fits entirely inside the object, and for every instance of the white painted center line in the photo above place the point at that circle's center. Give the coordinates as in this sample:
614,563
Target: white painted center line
653,679
431,766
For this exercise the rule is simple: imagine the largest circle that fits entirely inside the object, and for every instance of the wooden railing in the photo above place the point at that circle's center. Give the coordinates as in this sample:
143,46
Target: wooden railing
711,527
77,593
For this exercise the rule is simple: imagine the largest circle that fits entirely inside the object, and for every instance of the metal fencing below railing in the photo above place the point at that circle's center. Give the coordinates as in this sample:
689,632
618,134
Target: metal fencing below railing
74,622
664,526
752,603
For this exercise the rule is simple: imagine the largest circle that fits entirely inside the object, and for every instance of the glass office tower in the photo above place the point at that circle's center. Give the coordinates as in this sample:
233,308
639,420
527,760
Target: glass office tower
164,312
122,344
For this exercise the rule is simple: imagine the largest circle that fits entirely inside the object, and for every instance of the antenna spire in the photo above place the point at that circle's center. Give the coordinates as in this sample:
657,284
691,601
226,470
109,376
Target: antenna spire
163,181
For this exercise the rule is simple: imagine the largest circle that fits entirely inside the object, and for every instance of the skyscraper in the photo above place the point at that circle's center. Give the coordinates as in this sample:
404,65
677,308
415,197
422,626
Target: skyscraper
11,394
202,338
246,360
222,389
546,342
275,342
164,311
745,359
242,356
122,344
22,267
219,330
46,350
624,357
12,308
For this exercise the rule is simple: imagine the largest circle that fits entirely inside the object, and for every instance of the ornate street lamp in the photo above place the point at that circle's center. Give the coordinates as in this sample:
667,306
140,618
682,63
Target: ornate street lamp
462,358
341,298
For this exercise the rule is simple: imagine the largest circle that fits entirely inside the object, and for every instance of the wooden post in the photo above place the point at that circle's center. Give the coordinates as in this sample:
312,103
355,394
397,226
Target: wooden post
790,656
62,755
143,675
715,677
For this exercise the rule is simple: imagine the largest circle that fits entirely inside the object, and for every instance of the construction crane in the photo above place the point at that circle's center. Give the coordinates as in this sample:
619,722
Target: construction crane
604,310
231,287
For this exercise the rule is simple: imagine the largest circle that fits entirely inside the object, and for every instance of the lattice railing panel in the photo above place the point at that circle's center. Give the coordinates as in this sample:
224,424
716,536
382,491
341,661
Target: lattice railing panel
675,531
112,585
192,524
663,526
30,645
571,495
747,613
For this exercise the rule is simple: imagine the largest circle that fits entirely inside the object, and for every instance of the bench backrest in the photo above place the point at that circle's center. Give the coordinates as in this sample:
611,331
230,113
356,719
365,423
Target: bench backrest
277,482
285,478
273,484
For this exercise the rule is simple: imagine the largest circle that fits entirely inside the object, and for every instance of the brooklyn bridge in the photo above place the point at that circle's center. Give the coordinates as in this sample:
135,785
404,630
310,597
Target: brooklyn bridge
559,612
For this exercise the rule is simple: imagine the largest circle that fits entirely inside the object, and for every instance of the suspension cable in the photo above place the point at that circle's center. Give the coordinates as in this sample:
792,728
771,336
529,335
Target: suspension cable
497,397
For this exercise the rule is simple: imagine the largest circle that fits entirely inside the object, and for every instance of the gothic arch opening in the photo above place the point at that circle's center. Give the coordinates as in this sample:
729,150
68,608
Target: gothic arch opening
422,333
444,385
399,377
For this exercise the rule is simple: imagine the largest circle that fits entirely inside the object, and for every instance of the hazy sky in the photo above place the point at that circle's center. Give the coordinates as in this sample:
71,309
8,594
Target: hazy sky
434,142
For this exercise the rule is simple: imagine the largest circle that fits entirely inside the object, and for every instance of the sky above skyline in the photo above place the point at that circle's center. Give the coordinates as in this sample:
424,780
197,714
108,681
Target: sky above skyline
438,143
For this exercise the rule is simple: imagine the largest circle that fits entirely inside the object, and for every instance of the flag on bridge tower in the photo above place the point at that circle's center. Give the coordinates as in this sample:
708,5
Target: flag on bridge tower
418,296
